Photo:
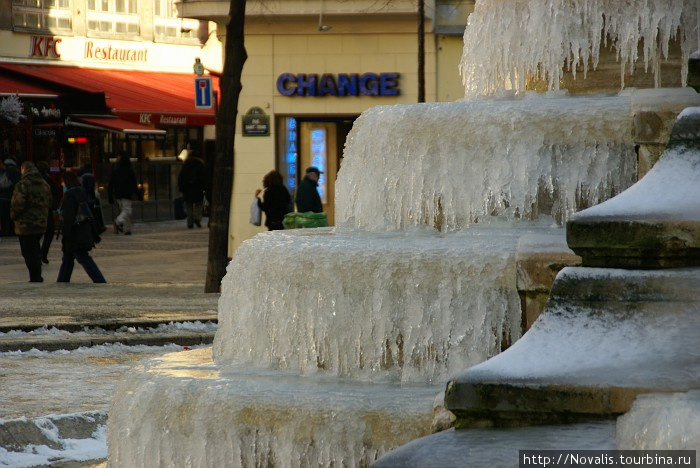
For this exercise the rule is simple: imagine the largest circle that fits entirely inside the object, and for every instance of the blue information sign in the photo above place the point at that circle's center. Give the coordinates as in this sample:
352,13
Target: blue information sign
203,95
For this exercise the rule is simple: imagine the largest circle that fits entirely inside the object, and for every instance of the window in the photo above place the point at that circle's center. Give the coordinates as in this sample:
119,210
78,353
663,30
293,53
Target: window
451,15
113,17
42,15
168,26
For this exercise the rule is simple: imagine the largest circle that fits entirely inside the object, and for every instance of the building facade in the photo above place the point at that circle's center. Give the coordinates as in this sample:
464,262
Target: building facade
97,79
313,67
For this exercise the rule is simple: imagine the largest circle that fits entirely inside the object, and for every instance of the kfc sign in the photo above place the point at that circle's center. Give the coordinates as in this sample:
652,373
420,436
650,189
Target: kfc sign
45,47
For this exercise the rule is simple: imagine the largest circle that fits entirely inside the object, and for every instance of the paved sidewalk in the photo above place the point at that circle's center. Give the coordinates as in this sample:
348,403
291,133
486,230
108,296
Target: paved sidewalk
154,276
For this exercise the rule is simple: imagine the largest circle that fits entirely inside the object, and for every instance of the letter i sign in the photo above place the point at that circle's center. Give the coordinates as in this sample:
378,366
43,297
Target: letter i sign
203,95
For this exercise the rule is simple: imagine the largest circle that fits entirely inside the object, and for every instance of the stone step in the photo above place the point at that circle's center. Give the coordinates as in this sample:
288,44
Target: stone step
605,336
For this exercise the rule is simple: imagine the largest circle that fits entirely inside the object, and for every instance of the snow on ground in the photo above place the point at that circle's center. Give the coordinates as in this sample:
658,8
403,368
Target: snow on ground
36,384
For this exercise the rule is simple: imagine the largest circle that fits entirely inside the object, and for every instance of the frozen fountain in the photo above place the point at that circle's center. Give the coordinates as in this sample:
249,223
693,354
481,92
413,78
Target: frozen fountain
334,342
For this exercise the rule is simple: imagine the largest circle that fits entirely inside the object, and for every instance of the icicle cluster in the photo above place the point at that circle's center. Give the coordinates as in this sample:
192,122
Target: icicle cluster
451,164
506,43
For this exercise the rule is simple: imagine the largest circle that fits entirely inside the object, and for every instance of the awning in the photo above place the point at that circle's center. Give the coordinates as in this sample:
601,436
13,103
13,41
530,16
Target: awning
130,129
149,98
15,86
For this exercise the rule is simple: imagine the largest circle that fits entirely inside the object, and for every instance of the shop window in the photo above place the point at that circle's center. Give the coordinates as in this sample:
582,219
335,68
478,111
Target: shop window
113,17
42,15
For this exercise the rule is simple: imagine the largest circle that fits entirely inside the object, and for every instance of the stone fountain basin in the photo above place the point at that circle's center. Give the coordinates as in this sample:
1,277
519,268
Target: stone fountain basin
605,336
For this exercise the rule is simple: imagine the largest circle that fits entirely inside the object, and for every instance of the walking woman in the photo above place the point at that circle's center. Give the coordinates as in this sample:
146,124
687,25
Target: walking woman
77,237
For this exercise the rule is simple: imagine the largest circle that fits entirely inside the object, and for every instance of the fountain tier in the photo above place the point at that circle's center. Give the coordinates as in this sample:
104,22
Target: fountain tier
410,307
451,164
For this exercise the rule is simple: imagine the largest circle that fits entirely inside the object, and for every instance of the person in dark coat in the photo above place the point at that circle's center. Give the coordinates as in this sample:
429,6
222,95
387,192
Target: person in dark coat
87,180
191,182
9,176
276,201
78,238
31,200
56,194
308,198
122,189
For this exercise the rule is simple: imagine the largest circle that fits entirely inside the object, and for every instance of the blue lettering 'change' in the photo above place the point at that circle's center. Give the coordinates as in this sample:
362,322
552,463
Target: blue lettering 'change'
344,84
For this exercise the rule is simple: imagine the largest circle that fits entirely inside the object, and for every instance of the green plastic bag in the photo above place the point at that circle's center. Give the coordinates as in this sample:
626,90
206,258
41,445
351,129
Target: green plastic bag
309,219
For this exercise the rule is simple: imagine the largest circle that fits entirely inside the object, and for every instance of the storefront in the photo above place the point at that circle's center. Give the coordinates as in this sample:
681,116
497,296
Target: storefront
313,68
86,101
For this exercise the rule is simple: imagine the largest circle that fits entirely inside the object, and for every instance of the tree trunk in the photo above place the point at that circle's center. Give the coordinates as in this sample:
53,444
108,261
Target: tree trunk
421,50
230,87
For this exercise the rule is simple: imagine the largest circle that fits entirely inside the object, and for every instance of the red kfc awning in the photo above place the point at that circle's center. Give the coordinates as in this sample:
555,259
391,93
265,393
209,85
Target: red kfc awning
130,129
13,86
149,98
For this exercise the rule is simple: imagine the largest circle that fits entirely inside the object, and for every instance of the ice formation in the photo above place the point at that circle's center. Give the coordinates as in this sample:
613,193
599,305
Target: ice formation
182,410
507,43
657,421
411,307
450,164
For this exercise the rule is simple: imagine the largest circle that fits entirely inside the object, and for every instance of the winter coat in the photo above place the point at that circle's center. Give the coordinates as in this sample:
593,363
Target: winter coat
76,237
122,184
31,201
275,203
308,198
191,180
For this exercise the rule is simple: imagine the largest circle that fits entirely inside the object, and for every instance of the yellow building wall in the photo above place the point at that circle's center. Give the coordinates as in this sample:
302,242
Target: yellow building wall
449,53
270,55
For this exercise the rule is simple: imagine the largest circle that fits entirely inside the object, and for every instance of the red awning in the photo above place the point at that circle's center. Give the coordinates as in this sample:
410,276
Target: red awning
10,85
149,98
130,129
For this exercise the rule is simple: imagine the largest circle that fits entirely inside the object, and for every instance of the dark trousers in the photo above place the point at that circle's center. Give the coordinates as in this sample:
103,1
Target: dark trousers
31,251
7,227
88,264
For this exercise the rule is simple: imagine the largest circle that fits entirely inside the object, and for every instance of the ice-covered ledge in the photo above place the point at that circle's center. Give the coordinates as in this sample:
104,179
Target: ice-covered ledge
656,222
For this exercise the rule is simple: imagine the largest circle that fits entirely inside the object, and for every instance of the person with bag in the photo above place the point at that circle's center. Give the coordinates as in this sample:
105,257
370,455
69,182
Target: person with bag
79,231
310,212
87,180
31,200
122,189
276,201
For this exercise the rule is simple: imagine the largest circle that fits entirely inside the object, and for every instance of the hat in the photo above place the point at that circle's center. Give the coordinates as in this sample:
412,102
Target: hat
10,161
313,169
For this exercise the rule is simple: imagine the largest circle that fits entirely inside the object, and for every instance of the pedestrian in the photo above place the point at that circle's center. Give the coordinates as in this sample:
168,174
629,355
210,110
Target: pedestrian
52,215
31,200
308,198
191,183
276,201
78,238
9,176
123,189
87,181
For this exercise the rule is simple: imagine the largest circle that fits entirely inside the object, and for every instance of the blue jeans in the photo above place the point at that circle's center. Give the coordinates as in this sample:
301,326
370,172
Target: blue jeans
88,264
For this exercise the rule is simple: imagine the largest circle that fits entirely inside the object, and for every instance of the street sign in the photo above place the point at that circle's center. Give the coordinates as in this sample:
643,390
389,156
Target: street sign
203,93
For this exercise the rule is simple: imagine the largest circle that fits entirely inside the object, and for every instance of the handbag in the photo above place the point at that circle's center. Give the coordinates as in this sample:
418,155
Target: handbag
255,213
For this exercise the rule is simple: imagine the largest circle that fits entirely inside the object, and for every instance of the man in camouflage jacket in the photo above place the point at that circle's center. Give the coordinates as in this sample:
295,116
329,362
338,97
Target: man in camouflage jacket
31,200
